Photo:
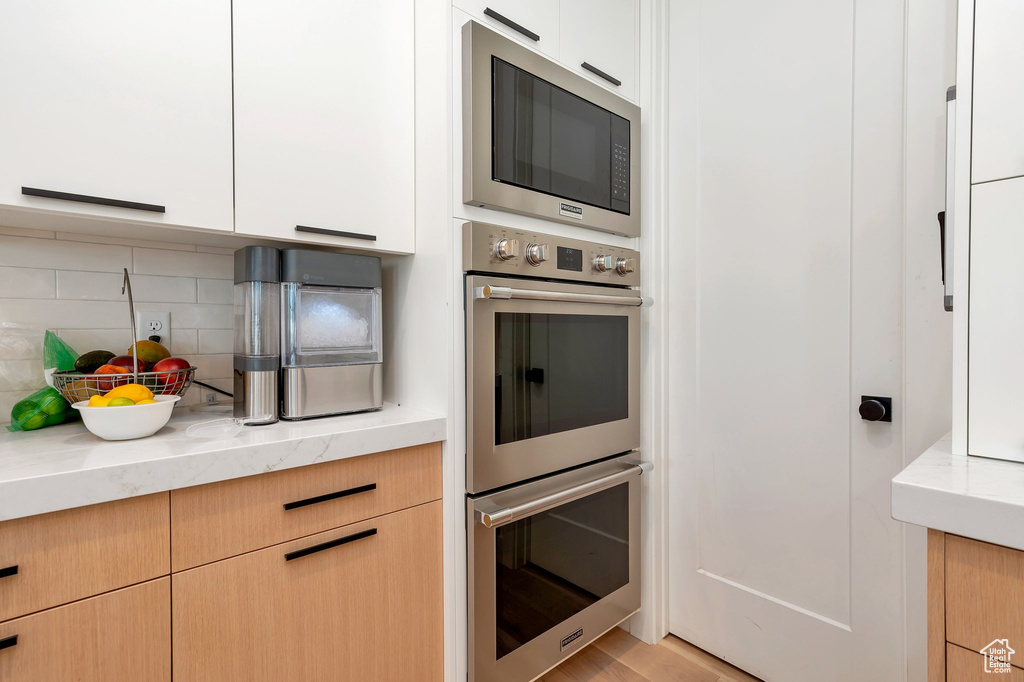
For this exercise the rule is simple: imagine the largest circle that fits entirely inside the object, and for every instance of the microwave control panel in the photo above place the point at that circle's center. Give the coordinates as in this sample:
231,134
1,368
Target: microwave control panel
508,251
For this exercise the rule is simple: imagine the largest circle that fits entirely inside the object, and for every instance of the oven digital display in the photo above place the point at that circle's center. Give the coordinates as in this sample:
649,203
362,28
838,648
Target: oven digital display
570,259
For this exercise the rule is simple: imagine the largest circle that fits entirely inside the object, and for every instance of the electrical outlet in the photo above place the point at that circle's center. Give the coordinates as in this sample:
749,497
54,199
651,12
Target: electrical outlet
154,323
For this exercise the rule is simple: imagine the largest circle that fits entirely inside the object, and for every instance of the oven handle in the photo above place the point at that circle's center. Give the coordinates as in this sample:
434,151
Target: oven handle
505,293
500,517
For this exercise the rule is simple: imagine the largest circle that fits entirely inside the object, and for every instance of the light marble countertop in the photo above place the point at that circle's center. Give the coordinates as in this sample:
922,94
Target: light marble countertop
971,496
66,466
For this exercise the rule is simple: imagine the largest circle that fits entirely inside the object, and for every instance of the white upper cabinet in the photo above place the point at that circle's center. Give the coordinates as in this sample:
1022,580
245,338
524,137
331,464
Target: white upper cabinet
123,106
996,386
533,22
602,35
324,122
998,129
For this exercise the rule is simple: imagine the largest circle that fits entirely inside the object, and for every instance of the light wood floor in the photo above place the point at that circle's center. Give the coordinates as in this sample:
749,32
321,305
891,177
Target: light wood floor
620,657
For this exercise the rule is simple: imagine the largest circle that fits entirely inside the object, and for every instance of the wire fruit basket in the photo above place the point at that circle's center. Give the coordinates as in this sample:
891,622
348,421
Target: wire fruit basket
75,386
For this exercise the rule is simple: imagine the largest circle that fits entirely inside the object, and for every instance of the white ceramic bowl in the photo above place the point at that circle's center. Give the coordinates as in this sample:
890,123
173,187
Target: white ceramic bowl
127,421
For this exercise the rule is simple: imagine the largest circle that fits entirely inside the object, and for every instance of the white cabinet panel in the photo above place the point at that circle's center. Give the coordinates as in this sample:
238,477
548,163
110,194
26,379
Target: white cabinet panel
602,34
537,16
998,90
324,121
996,345
122,100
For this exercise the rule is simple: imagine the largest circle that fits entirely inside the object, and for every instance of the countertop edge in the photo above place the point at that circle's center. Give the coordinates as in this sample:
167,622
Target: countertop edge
75,488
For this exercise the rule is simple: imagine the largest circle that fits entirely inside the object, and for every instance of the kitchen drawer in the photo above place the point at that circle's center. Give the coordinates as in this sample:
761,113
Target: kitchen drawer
963,665
984,593
366,606
220,520
68,555
117,637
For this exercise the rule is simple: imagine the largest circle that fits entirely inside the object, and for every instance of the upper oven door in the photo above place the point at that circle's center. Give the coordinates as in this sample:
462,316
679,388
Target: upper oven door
541,140
553,377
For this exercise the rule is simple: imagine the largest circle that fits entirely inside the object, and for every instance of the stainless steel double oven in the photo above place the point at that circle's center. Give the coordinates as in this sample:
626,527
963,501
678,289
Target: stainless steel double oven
553,470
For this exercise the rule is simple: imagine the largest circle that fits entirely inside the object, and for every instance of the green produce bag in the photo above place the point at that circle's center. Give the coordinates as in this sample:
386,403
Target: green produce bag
57,355
45,407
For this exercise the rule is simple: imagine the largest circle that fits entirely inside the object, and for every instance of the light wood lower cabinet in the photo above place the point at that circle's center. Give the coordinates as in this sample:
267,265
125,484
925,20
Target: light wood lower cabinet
358,603
975,591
121,636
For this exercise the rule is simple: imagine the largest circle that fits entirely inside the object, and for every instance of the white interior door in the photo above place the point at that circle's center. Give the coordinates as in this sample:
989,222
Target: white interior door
783,557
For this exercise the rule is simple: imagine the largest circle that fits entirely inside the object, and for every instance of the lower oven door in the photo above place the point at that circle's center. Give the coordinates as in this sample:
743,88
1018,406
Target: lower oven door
553,565
553,377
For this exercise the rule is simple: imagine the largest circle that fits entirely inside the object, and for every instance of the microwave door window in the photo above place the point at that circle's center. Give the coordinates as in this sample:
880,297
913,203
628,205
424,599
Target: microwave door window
549,140
557,373
552,565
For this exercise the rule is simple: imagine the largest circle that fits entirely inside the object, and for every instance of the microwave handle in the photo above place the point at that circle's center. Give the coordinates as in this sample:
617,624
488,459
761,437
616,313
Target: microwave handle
506,293
500,517
946,217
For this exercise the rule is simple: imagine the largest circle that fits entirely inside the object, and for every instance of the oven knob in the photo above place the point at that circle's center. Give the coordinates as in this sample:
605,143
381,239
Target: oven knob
506,249
624,266
604,263
536,253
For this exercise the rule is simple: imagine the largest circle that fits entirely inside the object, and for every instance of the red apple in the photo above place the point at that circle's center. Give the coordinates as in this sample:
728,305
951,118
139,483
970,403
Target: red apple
171,379
127,361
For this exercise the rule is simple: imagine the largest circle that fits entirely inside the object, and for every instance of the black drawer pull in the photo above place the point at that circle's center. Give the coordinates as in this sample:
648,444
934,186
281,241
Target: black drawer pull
598,72
512,25
86,199
299,553
8,642
9,571
336,233
329,496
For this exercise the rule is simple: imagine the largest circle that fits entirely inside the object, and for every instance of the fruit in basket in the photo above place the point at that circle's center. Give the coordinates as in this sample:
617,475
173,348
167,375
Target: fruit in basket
109,383
150,351
171,379
120,402
134,392
91,361
128,362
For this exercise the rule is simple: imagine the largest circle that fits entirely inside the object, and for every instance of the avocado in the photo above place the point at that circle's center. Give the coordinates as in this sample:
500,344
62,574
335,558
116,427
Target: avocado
91,361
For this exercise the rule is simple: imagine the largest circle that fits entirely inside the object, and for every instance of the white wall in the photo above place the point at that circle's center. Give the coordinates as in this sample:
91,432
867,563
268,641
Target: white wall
928,329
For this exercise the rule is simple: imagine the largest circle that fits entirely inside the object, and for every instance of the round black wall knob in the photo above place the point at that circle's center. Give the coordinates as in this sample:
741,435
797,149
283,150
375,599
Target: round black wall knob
874,409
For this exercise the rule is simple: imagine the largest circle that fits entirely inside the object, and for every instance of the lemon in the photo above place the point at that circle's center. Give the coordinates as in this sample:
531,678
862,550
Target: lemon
120,402
144,402
98,401
134,392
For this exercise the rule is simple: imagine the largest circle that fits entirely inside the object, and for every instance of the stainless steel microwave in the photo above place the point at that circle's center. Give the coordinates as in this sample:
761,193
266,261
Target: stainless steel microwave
543,141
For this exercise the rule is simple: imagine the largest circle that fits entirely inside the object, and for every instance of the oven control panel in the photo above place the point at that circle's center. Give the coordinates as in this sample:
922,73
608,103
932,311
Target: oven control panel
509,251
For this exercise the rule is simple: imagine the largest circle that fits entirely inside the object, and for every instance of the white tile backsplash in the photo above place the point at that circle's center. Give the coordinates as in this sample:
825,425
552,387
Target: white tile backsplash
215,290
71,284
106,286
27,283
182,264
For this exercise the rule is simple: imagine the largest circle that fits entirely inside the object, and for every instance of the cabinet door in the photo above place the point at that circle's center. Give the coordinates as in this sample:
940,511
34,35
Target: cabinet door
362,602
998,127
120,636
537,17
121,100
601,34
324,122
996,361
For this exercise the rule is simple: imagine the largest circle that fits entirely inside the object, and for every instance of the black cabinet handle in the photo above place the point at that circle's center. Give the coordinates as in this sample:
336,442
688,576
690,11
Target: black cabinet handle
299,553
8,642
336,233
9,571
598,72
86,199
512,25
330,496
